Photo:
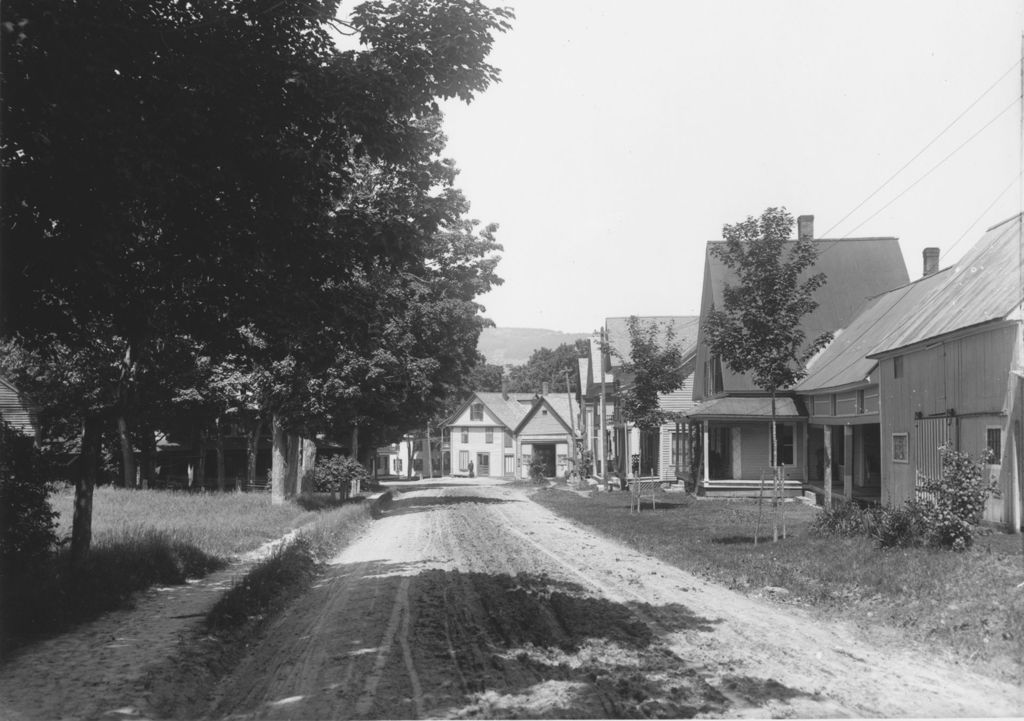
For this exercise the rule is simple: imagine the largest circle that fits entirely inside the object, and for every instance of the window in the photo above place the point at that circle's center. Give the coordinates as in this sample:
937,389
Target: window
899,447
489,435
508,440
465,434
786,441
713,381
994,442
897,367
463,460
476,412
677,449
398,465
417,464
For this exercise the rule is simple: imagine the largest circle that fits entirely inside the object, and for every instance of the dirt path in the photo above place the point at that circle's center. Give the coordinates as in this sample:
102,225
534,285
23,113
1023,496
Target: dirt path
476,602
99,669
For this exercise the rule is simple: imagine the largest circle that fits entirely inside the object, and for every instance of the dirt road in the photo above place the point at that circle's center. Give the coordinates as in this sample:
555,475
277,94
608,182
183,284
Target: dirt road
477,602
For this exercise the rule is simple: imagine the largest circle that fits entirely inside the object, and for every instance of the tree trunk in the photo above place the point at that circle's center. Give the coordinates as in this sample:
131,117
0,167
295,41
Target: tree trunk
428,455
147,457
88,469
279,461
220,456
354,488
307,467
777,472
200,479
252,447
127,452
291,476
408,469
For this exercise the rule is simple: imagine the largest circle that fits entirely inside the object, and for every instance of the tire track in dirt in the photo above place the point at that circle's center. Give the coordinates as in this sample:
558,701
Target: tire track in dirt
756,645
477,603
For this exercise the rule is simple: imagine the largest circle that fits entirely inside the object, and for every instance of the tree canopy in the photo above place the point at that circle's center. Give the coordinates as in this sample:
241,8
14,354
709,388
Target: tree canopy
758,330
551,366
210,207
654,367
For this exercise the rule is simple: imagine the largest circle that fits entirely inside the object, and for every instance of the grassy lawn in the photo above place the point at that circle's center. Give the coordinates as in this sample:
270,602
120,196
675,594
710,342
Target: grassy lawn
141,539
219,524
967,603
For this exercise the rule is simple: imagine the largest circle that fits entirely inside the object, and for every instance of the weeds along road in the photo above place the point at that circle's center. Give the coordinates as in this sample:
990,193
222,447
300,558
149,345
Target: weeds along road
476,602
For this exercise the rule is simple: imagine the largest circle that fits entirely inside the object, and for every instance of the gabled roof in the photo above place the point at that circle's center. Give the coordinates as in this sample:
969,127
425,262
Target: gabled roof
562,406
509,411
984,286
844,362
685,327
856,269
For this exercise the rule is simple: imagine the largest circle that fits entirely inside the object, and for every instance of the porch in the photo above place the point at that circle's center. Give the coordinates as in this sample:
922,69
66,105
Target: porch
735,446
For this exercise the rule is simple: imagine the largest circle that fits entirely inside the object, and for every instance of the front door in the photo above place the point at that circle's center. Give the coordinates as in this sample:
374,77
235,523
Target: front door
483,464
510,465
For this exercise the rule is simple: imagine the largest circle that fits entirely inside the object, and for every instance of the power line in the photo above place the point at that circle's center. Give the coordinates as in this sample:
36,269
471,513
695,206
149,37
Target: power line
984,212
937,165
922,150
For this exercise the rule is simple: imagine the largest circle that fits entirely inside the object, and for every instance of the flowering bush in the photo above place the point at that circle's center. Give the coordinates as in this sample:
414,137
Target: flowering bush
957,499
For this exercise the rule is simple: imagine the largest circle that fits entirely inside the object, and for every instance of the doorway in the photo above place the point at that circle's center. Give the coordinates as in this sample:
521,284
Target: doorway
483,464
545,452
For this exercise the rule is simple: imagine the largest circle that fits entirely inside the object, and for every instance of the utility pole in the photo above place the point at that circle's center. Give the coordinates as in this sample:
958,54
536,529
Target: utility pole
602,439
572,420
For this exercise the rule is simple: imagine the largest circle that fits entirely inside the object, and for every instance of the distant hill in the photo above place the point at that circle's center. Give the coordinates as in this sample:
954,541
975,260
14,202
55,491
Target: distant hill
513,346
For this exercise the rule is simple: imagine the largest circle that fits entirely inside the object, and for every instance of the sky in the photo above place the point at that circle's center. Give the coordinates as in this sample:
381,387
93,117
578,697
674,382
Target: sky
623,136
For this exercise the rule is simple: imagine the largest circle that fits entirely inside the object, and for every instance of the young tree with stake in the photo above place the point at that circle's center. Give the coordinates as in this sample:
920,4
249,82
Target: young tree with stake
759,328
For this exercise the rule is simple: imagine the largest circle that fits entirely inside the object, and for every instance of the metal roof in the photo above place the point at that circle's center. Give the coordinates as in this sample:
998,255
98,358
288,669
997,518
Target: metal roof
844,361
985,285
746,407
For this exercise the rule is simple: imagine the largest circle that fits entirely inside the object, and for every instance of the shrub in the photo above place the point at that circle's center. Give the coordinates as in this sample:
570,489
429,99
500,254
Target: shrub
958,499
586,464
536,469
339,473
27,522
902,527
845,519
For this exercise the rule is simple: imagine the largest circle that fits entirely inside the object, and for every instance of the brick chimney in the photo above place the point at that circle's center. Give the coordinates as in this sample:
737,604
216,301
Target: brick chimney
545,388
805,227
931,261
504,387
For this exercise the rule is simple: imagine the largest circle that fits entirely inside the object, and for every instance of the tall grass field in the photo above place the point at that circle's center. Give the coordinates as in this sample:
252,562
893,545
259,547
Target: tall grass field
140,539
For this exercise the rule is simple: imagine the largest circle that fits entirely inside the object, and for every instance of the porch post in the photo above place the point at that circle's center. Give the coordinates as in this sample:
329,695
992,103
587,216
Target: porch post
828,467
707,454
848,462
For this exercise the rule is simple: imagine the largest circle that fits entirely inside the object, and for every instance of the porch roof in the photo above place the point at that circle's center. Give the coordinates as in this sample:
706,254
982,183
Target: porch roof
745,408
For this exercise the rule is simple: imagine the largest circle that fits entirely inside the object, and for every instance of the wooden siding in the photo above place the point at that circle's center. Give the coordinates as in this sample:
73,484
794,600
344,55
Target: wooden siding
543,422
754,457
477,443
15,410
967,373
